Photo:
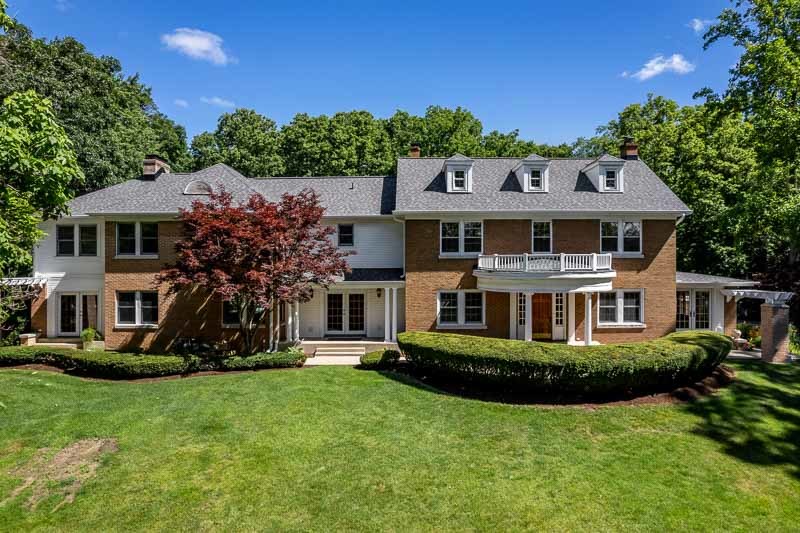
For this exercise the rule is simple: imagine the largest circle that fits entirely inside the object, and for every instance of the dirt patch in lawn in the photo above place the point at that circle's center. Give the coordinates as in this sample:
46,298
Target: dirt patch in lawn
721,377
202,373
60,474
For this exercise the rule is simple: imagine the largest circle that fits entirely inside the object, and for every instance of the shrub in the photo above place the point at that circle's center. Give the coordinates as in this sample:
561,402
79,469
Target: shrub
532,367
89,335
748,330
794,340
380,359
288,359
108,365
756,341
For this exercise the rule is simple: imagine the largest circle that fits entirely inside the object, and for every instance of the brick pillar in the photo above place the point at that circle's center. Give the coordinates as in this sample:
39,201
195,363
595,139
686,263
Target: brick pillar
774,333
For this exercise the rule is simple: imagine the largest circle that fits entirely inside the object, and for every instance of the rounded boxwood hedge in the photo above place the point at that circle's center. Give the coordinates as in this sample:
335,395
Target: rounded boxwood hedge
112,365
379,359
535,367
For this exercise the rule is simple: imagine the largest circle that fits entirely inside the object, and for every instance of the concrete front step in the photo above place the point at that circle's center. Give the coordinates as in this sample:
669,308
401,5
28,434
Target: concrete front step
342,351
69,345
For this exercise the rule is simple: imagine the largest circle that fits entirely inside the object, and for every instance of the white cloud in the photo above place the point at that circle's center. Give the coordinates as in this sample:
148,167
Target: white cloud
63,5
659,64
198,44
217,101
180,102
698,25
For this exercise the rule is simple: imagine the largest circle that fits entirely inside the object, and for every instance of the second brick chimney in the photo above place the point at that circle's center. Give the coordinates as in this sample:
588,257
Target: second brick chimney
154,166
629,149
414,151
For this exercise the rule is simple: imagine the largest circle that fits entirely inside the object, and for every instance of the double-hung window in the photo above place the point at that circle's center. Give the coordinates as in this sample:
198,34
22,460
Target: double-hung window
459,180
611,181
65,240
621,307
76,239
461,309
620,236
536,181
345,235
137,308
137,239
542,237
460,238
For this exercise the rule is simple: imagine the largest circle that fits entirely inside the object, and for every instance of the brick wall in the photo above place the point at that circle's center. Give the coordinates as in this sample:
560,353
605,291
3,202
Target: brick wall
655,273
729,315
190,313
39,313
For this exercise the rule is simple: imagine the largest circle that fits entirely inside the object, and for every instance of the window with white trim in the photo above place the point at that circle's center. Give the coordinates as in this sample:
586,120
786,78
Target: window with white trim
463,309
621,236
76,239
137,308
623,307
558,316
346,235
137,239
542,233
459,180
65,240
460,238
536,180
611,182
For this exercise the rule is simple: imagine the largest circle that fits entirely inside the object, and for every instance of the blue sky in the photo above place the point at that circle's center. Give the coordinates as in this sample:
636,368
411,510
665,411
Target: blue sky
553,70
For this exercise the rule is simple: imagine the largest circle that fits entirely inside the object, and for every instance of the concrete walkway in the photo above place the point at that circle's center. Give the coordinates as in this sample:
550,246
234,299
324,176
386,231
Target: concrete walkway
331,360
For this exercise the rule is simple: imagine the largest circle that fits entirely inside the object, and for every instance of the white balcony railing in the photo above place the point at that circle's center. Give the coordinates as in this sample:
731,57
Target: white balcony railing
545,262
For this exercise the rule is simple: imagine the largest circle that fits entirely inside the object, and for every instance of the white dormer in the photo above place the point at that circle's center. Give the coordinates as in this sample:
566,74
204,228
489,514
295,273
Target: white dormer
534,173
458,173
607,173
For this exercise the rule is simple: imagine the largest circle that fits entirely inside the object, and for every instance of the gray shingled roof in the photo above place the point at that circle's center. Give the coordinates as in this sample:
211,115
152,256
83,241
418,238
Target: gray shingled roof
341,196
374,274
421,187
690,278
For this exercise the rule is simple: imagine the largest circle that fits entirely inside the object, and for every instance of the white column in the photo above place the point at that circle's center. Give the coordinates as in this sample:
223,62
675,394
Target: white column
587,335
571,318
512,321
528,317
290,322
271,330
387,322
297,321
394,313
278,328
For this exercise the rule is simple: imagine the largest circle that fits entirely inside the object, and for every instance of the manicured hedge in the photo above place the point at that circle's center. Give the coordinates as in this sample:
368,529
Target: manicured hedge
112,365
294,358
535,367
380,359
108,365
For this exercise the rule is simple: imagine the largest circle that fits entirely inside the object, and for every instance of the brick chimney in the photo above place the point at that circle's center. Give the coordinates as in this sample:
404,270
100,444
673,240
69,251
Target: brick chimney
629,150
153,167
414,150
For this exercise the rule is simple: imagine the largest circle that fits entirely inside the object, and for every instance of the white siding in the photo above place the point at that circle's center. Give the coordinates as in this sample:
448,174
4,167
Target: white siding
377,243
45,260
311,316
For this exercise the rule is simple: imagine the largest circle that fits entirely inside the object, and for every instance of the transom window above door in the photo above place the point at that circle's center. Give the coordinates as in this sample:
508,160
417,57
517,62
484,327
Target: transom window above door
460,238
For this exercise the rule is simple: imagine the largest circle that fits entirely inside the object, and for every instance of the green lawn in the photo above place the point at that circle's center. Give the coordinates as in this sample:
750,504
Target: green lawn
340,449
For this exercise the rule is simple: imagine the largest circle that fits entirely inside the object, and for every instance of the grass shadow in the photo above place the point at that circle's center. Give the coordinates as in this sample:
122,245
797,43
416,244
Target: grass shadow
757,420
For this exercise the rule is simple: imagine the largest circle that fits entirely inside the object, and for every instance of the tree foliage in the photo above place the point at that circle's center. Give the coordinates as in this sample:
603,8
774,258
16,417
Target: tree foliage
256,255
37,168
110,118
245,140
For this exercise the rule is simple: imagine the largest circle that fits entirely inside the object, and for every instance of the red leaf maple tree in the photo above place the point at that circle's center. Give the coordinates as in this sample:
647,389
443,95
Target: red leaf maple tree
256,254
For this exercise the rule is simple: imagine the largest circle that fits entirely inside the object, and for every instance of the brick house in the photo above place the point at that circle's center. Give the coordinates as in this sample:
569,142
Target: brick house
569,250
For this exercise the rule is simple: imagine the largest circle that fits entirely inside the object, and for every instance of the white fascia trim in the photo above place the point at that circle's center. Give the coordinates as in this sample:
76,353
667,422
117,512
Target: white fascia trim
554,214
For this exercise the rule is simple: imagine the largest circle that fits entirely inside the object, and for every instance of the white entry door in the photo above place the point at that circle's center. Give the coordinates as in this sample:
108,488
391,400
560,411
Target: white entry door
693,309
346,313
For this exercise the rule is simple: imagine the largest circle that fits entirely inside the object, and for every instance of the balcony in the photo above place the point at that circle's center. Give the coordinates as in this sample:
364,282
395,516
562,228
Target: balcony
545,263
545,272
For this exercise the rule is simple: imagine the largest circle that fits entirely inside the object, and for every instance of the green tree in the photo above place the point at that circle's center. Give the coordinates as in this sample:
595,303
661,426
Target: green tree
245,140
450,131
110,118
37,168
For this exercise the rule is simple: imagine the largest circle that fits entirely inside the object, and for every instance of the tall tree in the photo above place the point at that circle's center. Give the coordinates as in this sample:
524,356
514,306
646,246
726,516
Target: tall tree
110,118
255,255
245,140
37,169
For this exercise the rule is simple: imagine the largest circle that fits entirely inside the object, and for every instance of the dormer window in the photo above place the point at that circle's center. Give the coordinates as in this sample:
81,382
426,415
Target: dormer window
533,173
458,174
611,180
